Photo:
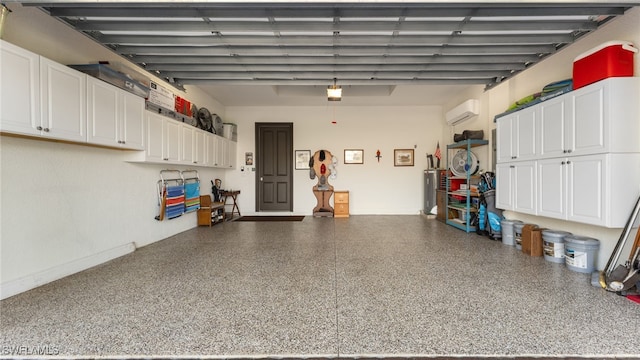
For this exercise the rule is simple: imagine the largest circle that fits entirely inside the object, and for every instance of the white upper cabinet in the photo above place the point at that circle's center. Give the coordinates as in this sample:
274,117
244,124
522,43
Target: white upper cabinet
19,86
172,144
132,123
41,97
505,142
233,154
63,101
606,117
517,136
44,99
115,117
103,112
587,167
599,118
154,138
200,144
556,121
186,155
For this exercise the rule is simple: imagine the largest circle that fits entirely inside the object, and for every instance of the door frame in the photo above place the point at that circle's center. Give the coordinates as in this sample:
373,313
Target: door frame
258,140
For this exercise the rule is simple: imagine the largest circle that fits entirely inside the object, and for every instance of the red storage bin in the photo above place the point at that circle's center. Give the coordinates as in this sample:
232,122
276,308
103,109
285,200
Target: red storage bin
611,59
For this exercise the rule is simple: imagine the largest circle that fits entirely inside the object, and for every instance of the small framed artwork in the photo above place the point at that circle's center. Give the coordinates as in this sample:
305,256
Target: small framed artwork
353,156
403,157
302,159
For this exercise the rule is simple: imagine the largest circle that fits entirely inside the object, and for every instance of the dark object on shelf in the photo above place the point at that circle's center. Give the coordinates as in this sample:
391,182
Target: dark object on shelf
469,135
205,121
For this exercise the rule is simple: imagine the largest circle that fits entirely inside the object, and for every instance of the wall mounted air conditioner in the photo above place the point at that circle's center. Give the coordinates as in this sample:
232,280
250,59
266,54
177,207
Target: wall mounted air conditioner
463,112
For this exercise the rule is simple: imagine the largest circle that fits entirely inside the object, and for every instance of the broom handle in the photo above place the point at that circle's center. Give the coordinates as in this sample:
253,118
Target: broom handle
635,246
613,260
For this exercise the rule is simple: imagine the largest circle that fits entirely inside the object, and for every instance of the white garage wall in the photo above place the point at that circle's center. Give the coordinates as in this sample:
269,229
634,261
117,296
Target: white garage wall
375,187
63,207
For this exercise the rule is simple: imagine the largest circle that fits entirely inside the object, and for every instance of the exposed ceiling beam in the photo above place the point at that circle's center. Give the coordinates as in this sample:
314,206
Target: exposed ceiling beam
315,40
334,50
364,60
331,27
324,82
330,67
364,75
354,10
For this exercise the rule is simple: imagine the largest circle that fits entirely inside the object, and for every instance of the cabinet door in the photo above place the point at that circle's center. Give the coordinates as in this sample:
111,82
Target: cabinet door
19,86
525,187
63,101
526,134
587,135
132,122
555,119
224,147
586,183
505,132
552,187
220,152
199,148
215,158
209,158
103,113
155,137
172,141
504,186
186,156
233,154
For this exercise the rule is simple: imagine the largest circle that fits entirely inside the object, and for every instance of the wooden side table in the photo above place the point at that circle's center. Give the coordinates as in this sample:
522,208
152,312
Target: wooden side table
341,203
233,194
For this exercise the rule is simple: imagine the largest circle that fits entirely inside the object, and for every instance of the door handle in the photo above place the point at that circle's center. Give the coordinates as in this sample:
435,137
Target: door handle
261,179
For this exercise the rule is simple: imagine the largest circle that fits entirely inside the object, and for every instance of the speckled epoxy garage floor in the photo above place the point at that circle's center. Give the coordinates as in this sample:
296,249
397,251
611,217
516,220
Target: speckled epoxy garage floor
367,285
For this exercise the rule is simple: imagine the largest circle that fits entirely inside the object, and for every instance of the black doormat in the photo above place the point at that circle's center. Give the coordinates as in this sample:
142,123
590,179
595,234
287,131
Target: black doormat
270,218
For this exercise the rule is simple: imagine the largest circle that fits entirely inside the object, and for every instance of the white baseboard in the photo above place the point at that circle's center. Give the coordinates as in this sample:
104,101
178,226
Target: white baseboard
14,287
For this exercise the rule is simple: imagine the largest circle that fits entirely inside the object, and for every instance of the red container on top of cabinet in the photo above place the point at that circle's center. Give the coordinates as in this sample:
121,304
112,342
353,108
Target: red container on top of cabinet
611,59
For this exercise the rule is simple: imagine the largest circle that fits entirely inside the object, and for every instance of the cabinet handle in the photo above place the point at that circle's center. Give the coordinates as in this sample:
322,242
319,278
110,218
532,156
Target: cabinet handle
166,159
569,151
195,162
46,129
514,157
568,162
512,166
562,163
39,128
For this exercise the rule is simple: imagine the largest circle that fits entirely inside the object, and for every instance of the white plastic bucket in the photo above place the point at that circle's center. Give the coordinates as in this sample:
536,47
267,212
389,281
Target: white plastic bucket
580,253
553,245
508,237
517,233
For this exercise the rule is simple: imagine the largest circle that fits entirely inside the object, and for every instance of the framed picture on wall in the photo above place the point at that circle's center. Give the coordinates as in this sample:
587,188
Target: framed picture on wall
302,159
353,156
403,157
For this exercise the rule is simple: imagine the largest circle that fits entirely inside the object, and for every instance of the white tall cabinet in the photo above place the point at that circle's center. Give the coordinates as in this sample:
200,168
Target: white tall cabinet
586,163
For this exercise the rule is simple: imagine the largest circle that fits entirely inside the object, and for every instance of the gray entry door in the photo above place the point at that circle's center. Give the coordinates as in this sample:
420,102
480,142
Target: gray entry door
274,165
